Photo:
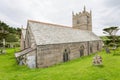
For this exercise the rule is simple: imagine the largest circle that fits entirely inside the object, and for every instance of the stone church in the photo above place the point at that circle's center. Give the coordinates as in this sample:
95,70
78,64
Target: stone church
45,44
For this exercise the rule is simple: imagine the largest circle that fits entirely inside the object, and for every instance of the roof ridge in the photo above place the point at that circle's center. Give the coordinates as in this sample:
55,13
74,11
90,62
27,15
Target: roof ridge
57,25
49,24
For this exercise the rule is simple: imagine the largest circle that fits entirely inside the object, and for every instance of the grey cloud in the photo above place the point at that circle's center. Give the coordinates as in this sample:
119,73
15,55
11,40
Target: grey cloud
112,3
17,12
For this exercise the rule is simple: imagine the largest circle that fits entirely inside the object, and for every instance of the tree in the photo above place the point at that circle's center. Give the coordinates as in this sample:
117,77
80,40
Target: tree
18,32
11,38
3,30
112,32
10,34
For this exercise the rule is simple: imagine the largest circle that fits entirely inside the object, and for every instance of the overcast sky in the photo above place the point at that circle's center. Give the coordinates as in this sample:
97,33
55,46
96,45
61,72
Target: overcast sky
105,13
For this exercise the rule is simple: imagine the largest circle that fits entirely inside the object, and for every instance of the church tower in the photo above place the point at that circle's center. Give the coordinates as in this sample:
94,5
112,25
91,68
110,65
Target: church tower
82,20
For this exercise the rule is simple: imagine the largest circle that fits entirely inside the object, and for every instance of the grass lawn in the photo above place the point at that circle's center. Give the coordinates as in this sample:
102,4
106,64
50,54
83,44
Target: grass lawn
78,69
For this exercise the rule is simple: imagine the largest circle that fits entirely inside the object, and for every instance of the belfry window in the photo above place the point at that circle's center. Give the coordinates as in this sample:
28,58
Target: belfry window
88,19
78,22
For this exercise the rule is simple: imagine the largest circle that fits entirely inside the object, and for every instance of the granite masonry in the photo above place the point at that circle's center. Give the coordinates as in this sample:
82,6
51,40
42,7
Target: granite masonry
46,44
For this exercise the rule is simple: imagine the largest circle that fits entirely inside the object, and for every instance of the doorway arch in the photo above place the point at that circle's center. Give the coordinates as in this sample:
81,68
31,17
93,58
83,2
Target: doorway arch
98,46
91,48
81,50
66,54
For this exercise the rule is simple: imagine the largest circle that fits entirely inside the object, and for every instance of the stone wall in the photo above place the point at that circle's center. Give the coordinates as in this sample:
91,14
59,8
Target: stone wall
28,59
22,43
29,39
50,54
31,59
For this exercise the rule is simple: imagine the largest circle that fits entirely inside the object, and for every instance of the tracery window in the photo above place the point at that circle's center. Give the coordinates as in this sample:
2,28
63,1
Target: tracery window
81,50
66,55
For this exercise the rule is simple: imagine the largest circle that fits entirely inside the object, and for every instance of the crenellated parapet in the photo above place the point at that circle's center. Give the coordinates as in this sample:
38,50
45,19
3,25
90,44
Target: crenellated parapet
82,20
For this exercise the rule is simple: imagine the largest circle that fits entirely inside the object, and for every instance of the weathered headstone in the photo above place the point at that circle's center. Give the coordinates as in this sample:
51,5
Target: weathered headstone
97,60
3,50
107,50
0,51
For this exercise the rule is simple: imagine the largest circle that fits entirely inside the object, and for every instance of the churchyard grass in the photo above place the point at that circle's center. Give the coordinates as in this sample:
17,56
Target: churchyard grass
78,69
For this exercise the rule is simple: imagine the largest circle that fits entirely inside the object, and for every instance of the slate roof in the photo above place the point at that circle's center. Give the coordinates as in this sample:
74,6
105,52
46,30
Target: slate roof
46,33
23,52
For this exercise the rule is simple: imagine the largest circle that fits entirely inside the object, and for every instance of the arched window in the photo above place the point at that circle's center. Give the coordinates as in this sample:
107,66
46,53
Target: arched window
78,22
81,50
98,46
66,55
91,48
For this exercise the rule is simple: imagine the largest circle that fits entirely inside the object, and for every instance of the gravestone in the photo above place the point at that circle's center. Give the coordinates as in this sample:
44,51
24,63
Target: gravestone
0,51
3,49
97,60
107,50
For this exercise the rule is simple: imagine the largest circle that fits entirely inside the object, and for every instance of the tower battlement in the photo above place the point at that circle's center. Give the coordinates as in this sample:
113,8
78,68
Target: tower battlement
82,20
